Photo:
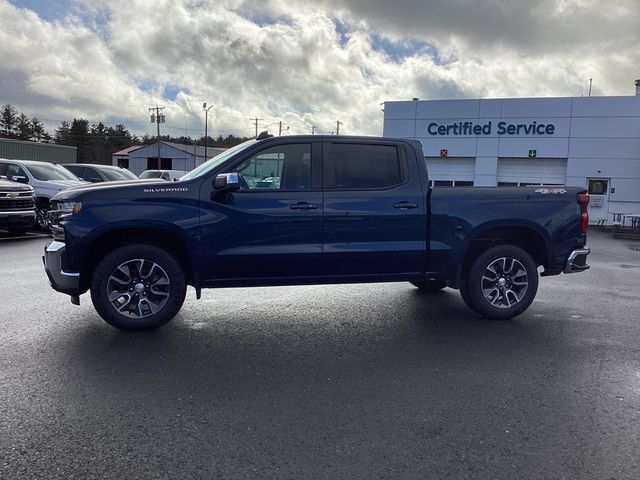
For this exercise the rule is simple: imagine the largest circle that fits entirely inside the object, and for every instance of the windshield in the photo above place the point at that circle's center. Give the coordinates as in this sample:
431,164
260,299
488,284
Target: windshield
49,171
218,160
151,174
118,174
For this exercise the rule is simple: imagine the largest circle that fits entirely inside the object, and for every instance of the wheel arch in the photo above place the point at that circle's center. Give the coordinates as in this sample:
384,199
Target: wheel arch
42,200
159,237
527,237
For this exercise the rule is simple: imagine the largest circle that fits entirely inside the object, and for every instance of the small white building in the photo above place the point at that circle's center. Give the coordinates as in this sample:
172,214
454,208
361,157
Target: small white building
591,142
173,156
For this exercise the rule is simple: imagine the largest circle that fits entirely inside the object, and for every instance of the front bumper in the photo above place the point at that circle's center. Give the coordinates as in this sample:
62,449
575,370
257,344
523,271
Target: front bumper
577,261
65,282
21,218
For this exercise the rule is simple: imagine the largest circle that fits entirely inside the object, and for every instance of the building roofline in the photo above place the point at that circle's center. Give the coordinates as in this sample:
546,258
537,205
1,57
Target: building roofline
29,142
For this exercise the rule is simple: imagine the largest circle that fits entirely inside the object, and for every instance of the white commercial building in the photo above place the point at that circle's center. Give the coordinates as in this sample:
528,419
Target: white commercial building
173,156
591,142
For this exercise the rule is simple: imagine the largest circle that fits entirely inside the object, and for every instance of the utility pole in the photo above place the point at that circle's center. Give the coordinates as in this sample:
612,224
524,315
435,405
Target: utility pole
157,118
280,128
256,120
206,117
338,123
313,130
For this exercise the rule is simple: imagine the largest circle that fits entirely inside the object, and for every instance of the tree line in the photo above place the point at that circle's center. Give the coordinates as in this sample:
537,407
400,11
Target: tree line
95,142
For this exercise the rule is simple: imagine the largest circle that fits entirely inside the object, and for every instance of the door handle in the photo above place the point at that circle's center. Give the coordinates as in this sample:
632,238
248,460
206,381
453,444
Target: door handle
303,206
405,205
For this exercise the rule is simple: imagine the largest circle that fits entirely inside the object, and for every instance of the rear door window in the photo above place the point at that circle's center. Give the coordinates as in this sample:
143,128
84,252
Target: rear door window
360,166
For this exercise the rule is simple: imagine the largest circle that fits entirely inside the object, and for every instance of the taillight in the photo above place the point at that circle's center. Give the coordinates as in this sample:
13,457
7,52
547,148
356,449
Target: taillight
583,201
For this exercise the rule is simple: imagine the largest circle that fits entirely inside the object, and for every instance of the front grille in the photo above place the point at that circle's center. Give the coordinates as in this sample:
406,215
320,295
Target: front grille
13,194
25,203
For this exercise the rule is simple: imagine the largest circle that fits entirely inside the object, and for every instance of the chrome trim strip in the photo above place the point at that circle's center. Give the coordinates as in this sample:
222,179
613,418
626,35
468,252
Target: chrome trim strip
20,212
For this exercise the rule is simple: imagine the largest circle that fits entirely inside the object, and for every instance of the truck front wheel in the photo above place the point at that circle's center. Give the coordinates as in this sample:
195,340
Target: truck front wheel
138,287
502,282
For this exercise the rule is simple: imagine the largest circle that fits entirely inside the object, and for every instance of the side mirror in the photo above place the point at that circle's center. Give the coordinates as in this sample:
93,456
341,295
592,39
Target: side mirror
20,178
226,182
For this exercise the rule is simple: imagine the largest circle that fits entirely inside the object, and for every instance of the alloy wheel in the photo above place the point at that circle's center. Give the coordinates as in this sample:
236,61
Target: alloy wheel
505,282
138,288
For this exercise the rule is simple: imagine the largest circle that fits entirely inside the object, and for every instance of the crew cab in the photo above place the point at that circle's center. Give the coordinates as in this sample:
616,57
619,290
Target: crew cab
343,210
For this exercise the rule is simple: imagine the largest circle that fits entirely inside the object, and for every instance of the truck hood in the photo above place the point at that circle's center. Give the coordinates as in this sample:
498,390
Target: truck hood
65,183
106,188
9,186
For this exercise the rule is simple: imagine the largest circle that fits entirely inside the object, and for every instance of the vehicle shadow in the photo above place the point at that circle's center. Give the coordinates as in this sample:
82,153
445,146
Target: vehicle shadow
7,237
300,335
287,378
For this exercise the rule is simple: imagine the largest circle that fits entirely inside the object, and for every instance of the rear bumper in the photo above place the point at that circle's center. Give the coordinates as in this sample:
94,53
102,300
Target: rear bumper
577,261
65,282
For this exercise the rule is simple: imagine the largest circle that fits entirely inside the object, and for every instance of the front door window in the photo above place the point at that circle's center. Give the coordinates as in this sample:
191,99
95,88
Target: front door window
285,167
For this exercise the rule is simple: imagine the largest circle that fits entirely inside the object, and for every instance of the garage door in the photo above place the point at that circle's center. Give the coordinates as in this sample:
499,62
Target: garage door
537,171
456,170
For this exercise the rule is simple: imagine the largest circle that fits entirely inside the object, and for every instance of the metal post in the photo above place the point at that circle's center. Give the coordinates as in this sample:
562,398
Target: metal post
158,118
158,125
206,134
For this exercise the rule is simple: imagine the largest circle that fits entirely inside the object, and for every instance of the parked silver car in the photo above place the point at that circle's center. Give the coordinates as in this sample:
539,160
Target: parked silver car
99,173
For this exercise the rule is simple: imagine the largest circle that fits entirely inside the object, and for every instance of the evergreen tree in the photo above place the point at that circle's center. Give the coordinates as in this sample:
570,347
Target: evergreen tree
24,130
61,135
8,121
39,133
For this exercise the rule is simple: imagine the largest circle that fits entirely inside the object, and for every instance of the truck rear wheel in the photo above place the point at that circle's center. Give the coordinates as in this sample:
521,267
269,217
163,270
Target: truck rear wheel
138,287
502,282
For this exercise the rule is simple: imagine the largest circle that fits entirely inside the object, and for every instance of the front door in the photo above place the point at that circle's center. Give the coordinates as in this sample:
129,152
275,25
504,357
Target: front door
599,200
272,227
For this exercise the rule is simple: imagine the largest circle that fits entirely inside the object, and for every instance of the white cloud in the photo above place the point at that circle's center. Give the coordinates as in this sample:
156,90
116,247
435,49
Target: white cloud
305,63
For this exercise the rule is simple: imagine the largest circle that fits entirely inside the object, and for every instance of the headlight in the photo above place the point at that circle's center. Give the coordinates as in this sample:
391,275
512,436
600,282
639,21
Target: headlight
63,208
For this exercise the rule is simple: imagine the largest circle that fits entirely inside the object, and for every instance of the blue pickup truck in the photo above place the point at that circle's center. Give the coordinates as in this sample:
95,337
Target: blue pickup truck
309,210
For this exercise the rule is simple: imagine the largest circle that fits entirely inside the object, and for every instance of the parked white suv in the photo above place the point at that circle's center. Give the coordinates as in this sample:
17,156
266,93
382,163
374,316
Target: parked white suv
47,179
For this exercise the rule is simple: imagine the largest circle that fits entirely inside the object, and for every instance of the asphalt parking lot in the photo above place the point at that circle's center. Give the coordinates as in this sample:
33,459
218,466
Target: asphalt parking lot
354,381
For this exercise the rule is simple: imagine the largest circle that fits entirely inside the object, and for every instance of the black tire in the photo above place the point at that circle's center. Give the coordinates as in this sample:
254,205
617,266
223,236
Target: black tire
502,283
138,287
429,286
42,215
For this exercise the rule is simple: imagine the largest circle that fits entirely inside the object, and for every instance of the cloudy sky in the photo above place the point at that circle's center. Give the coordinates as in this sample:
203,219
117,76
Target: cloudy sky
305,63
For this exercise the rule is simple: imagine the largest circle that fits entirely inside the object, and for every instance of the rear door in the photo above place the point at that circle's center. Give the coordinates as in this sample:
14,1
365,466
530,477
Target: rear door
374,210
271,228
